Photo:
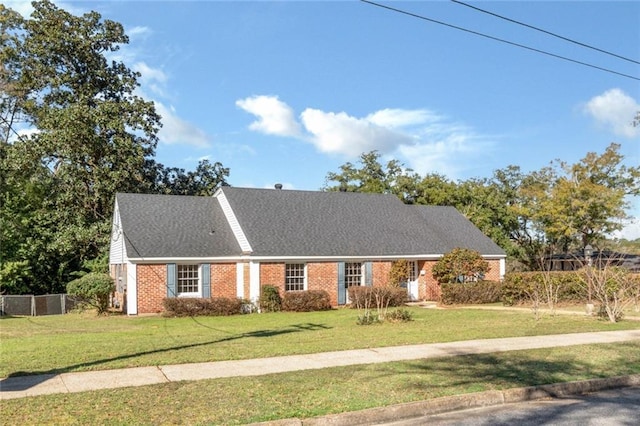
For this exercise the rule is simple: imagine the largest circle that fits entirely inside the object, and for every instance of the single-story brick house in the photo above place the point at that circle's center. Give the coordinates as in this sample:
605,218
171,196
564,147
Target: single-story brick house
232,243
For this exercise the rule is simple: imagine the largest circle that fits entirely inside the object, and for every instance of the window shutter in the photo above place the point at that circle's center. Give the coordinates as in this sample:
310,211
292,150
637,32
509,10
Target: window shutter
368,274
171,280
342,291
206,280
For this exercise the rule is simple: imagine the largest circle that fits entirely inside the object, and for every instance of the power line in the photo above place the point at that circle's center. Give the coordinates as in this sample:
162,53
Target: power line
424,18
546,32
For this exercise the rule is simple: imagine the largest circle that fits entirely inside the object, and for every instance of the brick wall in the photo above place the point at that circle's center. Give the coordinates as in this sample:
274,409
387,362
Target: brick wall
152,287
428,284
494,271
223,280
324,276
272,274
380,273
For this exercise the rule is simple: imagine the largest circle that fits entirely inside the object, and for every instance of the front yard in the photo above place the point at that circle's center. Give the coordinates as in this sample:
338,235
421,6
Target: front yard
80,342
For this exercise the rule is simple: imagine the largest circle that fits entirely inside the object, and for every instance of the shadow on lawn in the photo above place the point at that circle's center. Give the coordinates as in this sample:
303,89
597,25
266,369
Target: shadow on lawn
480,372
485,372
31,379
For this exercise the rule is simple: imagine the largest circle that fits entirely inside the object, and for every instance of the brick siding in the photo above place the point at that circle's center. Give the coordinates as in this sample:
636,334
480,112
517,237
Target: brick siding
320,276
223,280
152,287
324,276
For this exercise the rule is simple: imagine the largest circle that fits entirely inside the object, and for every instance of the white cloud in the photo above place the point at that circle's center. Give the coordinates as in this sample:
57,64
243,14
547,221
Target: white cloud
24,8
150,74
139,31
178,131
274,116
393,118
152,79
615,110
425,141
341,133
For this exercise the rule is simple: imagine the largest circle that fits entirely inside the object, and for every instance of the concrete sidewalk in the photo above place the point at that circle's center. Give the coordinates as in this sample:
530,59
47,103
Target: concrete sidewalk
24,386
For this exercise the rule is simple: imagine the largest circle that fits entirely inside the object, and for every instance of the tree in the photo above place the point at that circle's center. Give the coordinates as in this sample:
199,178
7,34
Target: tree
94,135
400,272
587,201
460,265
205,180
613,287
373,177
93,289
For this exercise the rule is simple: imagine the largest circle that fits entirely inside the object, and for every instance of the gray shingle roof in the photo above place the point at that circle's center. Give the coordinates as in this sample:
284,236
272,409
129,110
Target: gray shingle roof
174,226
310,223
288,223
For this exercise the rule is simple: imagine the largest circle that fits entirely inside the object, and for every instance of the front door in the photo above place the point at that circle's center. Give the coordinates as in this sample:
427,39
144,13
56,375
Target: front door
412,283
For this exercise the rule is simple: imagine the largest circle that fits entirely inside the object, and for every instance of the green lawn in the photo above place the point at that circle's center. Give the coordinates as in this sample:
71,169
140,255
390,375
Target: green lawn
80,342
333,390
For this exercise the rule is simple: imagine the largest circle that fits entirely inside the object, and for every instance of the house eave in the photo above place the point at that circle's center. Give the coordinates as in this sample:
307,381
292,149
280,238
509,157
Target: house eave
249,258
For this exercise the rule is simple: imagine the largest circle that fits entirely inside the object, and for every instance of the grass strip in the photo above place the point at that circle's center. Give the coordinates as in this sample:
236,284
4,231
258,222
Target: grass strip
82,342
318,392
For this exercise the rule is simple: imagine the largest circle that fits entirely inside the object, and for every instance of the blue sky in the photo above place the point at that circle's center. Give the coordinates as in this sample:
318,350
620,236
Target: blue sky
285,92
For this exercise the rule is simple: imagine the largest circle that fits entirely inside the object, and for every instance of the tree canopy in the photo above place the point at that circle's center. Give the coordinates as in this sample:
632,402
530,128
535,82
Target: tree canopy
89,135
559,207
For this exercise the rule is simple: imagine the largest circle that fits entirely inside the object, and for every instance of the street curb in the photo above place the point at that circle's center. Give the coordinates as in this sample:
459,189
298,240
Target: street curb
445,404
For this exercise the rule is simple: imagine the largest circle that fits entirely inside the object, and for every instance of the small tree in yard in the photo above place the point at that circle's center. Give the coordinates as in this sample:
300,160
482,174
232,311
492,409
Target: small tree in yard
94,289
613,287
399,273
460,265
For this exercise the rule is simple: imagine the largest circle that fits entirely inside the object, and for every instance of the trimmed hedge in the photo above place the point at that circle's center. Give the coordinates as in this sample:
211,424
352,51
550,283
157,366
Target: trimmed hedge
191,307
517,284
270,300
306,301
471,293
365,297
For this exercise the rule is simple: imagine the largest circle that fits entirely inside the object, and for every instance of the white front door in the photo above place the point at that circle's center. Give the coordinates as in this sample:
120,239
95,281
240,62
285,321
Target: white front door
412,284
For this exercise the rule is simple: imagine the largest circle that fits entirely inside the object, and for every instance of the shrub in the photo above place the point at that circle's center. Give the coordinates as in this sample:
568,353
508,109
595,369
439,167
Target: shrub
94,289
366,299
306,301
399,315
518,286
471,293
460,265
361,297
400,272
613,287
191,306
270,300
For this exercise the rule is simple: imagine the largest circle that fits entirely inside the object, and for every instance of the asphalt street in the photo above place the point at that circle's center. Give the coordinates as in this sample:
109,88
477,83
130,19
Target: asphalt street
616,407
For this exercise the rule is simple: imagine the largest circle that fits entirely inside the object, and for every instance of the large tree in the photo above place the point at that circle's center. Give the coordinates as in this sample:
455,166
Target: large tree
91,135
587,201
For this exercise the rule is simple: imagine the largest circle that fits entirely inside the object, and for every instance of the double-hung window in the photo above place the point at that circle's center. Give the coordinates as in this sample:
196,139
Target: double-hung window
294,277
188,280
352,274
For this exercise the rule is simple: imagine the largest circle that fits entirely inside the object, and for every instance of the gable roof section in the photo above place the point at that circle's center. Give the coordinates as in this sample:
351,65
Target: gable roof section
455,230
289,223
168,226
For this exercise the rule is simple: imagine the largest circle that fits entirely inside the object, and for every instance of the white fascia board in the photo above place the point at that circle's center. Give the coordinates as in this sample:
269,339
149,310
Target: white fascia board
342,258
233,222
184,260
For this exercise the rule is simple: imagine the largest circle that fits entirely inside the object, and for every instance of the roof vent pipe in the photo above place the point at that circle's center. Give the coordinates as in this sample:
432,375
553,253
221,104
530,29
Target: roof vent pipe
278,186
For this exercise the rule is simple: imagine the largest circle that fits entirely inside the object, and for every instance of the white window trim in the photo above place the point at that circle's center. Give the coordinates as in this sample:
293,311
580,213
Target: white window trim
197,294
304,280
362,273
